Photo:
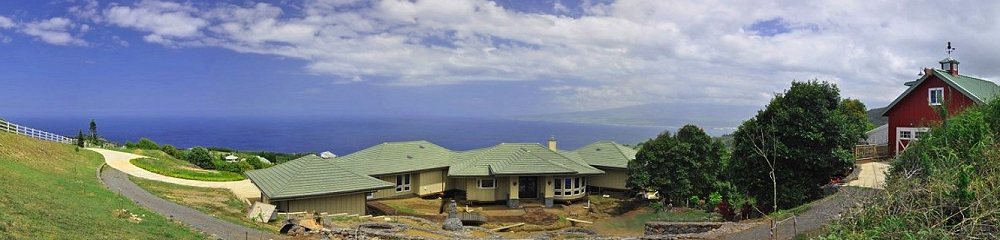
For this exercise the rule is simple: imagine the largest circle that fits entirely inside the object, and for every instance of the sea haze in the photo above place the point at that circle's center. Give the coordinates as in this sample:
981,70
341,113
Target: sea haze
340,135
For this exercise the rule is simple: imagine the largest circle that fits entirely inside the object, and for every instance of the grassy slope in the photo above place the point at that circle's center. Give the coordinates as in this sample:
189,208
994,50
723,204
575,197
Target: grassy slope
51,191
181,169
217,202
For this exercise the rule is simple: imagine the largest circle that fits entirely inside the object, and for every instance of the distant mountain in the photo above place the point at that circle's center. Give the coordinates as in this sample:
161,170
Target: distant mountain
875,116
716,119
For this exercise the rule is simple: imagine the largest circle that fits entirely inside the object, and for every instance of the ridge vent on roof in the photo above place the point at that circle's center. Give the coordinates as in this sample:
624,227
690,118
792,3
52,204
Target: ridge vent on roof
421,146
409,156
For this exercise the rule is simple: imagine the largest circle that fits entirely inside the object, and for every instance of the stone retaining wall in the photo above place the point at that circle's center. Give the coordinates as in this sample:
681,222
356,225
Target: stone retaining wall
675,228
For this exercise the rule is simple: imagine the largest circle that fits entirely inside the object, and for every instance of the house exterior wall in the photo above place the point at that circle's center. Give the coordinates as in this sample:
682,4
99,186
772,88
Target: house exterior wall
474,193
915,111
612,178
351,204
391,192
431,182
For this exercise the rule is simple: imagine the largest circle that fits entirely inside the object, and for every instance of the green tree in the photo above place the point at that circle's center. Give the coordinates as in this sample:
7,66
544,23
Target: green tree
79,139
200,157
145,143
93,130
681,166
792,147
855,118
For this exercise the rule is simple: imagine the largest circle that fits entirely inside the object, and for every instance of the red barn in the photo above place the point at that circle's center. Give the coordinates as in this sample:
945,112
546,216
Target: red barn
915,110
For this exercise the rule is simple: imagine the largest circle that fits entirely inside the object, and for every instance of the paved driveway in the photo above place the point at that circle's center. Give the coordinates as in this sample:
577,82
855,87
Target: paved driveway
119,160
118,182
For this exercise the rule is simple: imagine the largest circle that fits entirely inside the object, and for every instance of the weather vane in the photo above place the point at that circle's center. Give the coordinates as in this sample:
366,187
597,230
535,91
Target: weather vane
950,49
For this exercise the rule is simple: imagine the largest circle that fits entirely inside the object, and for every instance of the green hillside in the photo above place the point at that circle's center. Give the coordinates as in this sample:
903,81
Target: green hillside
51,191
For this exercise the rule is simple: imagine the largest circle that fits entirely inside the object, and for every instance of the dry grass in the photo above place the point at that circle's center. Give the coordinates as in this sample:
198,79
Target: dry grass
217,202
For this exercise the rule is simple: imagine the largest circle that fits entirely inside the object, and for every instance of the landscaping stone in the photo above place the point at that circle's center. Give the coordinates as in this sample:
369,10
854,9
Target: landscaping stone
452,223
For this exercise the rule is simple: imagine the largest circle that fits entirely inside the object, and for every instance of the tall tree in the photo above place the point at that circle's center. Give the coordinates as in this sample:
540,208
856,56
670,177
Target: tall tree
855,118
793,146
79,139
93,130
680,166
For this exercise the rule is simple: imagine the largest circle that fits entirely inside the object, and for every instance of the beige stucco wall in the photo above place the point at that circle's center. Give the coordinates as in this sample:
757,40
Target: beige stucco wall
500,192
547,187
612,178
351,204
431,182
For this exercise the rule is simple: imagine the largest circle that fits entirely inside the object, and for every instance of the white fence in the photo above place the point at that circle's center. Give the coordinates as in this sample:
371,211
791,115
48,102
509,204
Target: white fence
35,133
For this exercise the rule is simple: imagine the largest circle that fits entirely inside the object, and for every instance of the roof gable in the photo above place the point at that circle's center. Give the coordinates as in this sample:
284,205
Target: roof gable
977,89
396,157
516,158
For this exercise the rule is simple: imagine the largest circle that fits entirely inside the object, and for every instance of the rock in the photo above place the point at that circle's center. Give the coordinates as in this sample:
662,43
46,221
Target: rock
452,223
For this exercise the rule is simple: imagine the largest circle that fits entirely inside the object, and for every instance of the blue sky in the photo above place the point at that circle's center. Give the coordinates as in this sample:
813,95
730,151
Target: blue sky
462,57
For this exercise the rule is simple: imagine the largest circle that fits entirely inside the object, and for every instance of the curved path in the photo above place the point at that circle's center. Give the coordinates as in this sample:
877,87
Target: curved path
871,175
118,181
243,189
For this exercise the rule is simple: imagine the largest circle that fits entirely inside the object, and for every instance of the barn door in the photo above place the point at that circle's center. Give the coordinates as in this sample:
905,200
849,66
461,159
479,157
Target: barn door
904,136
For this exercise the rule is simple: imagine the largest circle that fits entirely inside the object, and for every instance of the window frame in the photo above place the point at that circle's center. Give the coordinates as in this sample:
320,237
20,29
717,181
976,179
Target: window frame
403,183
479,183
369,195
931,97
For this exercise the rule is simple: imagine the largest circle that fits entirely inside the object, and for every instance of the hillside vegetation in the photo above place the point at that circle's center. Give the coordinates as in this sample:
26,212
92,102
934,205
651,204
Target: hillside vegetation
51,191
946,186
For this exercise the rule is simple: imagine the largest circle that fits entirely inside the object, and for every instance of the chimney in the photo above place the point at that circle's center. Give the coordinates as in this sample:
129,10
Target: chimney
552,143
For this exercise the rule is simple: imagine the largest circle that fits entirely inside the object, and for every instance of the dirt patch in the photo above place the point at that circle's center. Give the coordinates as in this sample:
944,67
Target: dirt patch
538,216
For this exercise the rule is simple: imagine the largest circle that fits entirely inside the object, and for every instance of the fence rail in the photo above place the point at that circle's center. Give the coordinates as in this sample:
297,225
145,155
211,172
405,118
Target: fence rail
34,133
871,151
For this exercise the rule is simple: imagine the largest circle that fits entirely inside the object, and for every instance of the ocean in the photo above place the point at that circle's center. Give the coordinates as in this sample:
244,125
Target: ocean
340,135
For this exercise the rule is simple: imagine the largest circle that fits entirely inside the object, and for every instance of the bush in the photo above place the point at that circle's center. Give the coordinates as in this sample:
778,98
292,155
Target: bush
170,150
200,157
256,163
237,167
130,145
678,166
145,143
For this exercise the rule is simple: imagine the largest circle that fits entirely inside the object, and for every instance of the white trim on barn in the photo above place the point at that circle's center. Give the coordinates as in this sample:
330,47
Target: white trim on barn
904,135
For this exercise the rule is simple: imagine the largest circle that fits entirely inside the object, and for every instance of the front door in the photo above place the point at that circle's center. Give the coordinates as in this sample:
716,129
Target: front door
527,187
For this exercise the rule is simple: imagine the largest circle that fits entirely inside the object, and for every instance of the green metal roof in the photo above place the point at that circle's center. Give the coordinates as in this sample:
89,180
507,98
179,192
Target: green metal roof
311,176
604,154
979,90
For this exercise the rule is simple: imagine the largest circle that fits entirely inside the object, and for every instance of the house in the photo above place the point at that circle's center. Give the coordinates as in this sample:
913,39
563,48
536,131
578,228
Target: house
507,173
878,135
913,112
231,158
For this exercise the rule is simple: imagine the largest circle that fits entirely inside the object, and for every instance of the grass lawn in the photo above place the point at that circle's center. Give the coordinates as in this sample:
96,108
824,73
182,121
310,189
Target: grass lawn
169,166
218,202
51,191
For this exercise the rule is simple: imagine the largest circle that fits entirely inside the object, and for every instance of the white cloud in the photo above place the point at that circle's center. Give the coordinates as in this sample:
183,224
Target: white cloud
617,53
6,22
162,20
55,30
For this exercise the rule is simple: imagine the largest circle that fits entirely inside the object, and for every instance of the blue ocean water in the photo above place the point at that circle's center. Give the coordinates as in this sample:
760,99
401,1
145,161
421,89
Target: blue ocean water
339,135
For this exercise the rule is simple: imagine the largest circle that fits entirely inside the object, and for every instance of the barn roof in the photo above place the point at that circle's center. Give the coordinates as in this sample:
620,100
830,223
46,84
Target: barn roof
977,89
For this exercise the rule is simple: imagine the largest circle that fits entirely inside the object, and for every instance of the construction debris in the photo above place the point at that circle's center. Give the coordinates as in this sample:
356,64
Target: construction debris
262,212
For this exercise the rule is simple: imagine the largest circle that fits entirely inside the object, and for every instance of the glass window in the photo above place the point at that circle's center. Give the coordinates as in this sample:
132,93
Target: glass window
576,183
369,195
919,134
487,183
403,183
905,135
569,183
557,181
935,96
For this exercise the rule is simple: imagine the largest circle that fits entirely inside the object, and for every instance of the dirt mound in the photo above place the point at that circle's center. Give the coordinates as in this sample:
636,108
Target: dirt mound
538,216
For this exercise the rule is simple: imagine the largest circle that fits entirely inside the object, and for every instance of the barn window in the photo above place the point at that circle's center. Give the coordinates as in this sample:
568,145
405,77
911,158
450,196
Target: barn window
935,96
905,135
403,183
487,183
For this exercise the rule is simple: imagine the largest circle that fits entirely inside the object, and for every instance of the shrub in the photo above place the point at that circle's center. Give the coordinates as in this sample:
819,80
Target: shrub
129,145
145,143
678,165
170,150
200,157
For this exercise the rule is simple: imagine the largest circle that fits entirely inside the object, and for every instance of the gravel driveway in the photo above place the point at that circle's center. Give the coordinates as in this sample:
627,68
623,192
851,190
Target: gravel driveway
243,189
118,181
821,213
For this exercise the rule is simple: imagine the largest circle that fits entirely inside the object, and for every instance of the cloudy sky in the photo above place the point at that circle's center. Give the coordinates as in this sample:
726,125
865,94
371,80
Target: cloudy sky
466,57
